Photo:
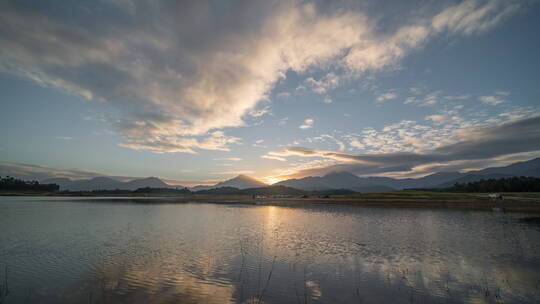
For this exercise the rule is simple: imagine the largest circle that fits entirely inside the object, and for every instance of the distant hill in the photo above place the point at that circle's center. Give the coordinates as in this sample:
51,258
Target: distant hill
239,182
469,178
510,184
338,180
346,180
529,168
106,183
149,182
331,181
267,190
272,191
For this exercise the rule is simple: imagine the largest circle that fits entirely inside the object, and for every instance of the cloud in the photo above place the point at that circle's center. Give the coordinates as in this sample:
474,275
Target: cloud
428,100
354,142
476,145
415,90
473,16
37,172
260,112
217,140
308,124
236,159
40,173
327,99
181,70
64,137
259,143
233,172
386,96
329,82
457,97
491,100
283,94
273,157
436,117
439,119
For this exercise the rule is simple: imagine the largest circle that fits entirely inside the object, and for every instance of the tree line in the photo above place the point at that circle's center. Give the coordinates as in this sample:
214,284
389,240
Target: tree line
9,183
510,184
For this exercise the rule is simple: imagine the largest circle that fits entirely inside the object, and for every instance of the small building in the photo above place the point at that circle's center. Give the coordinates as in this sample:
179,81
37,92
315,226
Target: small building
495,196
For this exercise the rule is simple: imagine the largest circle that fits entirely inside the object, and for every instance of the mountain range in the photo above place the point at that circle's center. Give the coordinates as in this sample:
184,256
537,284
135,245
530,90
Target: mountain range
106,183
239,182
334,180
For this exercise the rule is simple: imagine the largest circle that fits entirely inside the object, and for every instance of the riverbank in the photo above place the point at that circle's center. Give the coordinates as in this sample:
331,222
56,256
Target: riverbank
511,202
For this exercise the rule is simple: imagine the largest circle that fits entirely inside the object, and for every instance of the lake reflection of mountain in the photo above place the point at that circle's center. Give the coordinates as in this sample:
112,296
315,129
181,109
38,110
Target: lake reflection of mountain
60,251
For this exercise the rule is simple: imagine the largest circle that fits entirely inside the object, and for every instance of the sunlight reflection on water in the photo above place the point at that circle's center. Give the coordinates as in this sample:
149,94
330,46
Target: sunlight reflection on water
69,250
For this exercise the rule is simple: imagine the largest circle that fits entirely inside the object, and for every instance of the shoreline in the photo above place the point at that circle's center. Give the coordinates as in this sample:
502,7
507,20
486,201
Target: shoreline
465,201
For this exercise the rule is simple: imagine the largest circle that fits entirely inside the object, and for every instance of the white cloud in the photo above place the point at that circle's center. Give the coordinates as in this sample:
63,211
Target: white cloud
470,147
354,142
473,16
37,172
259,143
329,82
175,76
308,124
327,99
260,112
457,97
217,140
415,90
283,94
64,137
283,121
428,100
233,172
267,156
437,118
491,100
236,159
386,96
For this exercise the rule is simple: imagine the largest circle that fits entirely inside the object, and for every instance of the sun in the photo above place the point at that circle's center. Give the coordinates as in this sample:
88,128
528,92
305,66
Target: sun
272,180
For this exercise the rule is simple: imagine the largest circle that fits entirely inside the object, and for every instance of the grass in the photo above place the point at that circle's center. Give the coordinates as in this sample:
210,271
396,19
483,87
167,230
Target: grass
415,195
4,289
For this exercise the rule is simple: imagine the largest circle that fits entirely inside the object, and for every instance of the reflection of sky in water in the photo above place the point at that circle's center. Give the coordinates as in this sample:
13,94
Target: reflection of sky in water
62,251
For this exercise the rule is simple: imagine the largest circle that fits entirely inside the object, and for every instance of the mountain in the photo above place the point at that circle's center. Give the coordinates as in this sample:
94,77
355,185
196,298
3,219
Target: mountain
239,182
529,168
469,178
149,182
306,183
105,183
266,190
346,180
339,180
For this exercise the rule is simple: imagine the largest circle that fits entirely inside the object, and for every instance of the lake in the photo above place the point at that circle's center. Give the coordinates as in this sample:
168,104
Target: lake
101,250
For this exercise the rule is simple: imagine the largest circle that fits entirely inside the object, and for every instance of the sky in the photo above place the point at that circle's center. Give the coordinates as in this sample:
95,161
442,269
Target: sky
199,91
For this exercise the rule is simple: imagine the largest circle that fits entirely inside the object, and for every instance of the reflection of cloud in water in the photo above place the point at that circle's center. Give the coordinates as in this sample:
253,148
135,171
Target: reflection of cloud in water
205,253
135,283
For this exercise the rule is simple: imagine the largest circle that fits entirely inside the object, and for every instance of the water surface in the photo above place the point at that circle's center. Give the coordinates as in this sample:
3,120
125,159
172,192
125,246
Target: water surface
71,250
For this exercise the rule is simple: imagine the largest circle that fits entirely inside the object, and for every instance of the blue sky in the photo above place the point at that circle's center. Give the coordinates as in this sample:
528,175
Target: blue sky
202,91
